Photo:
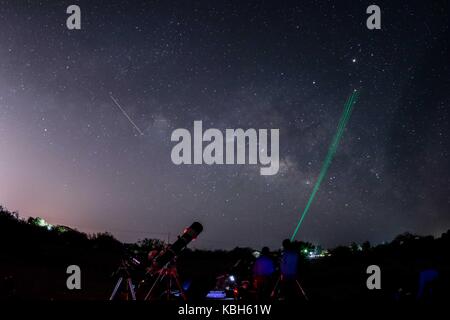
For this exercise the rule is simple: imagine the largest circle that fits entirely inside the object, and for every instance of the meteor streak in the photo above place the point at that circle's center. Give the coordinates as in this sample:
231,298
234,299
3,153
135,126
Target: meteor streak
329,157
126,115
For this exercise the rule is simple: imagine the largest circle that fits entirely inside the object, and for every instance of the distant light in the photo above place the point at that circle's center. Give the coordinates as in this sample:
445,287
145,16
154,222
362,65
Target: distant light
216,295
232,278
353,60
41,222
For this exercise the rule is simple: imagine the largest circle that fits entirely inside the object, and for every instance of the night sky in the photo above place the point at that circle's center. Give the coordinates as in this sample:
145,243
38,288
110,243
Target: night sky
69,155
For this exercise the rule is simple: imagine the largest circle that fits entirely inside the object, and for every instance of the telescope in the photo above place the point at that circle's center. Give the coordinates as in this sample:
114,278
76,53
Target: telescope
162,268
163,265
179,245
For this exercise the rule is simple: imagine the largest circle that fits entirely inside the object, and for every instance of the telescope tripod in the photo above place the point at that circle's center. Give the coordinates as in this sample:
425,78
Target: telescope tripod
168,274
276,290
124,279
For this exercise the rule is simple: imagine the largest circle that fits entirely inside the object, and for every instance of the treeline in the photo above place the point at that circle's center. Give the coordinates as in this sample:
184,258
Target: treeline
40,238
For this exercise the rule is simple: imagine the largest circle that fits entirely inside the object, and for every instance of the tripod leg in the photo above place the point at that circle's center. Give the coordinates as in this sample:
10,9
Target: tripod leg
153,285
169,288
119,282
180,288
275,288
301,289
131,289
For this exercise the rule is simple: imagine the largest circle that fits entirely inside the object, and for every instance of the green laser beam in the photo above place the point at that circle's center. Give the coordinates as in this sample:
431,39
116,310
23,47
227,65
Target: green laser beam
328,158
331,151
348,108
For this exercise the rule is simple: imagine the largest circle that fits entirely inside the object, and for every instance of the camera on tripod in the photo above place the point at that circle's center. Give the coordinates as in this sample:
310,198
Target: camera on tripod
161,271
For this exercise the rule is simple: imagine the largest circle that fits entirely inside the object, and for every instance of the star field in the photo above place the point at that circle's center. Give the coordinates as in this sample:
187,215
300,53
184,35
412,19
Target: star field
68,154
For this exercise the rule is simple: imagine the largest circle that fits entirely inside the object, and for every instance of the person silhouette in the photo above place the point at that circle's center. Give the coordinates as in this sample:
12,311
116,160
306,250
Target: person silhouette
288,287
263,271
